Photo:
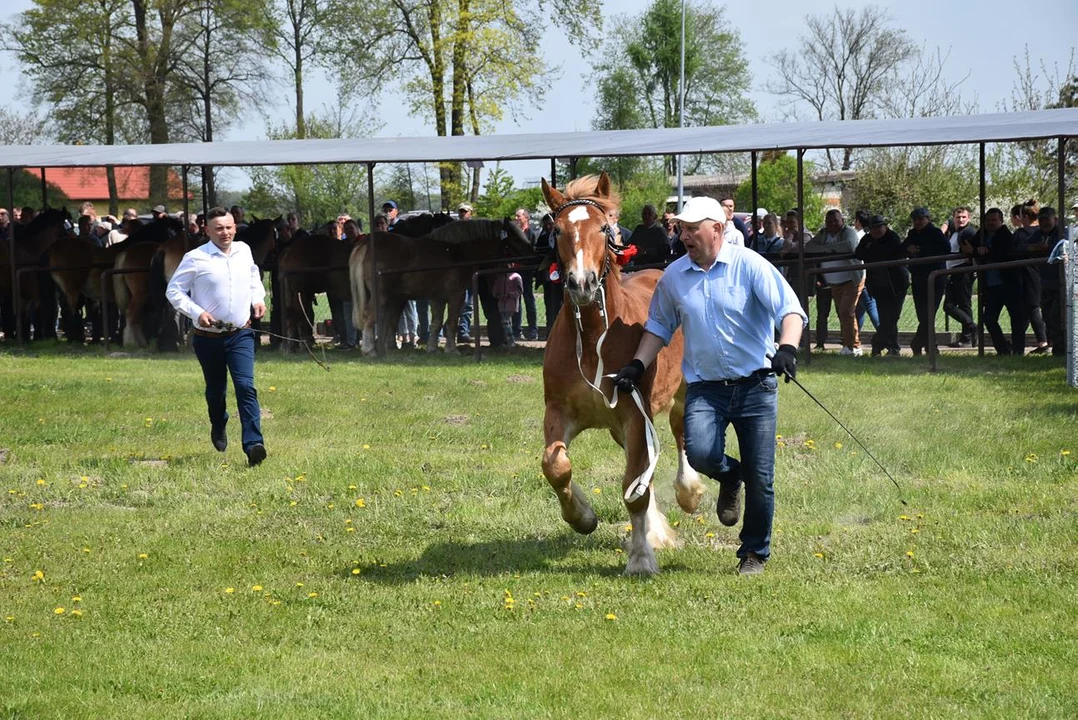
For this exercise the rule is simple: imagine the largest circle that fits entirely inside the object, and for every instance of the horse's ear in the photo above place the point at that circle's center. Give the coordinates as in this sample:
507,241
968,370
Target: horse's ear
602,189
554,199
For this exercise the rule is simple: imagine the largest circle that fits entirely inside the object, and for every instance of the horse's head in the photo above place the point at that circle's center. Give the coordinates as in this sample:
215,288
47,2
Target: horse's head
514,242
582,236
261,236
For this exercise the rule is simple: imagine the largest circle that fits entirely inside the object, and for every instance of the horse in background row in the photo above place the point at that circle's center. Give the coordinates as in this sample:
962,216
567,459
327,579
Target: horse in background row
36,291
596,287
470,241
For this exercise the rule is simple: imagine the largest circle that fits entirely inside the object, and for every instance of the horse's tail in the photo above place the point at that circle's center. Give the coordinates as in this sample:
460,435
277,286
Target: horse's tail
119,284
357,276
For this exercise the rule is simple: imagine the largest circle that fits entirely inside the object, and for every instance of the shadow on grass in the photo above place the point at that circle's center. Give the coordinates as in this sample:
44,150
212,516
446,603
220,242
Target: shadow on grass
496,557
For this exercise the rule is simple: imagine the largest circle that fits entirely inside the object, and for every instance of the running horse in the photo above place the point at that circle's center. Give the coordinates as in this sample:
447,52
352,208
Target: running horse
600,328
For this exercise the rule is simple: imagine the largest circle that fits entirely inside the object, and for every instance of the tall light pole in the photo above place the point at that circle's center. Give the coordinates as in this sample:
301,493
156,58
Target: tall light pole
681,105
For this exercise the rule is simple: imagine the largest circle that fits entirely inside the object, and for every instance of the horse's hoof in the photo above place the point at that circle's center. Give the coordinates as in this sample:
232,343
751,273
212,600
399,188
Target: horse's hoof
642,566
586,523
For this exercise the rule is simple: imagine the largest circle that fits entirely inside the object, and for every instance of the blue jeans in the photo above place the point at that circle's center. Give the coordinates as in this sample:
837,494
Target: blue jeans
752,408
464,325
219,357
422,308
867,304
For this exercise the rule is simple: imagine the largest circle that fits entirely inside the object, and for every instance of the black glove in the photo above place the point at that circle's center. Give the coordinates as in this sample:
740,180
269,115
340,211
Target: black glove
629,376
784,362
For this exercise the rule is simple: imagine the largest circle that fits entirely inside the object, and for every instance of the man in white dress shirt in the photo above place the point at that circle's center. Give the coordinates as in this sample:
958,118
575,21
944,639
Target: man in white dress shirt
218,285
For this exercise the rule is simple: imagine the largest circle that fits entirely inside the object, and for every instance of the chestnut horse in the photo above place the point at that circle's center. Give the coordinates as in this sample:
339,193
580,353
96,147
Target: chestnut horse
36,290
595,286
301,280
469,241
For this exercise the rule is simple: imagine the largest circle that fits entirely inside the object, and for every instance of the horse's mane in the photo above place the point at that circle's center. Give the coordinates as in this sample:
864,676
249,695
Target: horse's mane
47,217
466,231
424,222
587,188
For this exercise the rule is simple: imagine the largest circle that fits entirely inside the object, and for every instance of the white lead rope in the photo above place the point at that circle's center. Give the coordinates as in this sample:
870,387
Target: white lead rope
640,484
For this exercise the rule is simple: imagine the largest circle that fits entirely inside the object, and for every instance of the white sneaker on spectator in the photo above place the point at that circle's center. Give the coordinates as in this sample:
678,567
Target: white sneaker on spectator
855,352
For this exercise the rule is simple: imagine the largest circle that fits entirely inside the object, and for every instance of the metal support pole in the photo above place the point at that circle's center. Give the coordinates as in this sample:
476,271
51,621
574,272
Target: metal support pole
980,289
572,168
16,301
376,297
186,207
44,192
802,289
553,172
207,171
755,196
1061,208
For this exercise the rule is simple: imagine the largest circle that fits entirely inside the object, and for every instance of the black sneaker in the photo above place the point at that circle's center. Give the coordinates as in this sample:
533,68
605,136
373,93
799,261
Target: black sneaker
751,564
219,438
729,505
256,454
531,335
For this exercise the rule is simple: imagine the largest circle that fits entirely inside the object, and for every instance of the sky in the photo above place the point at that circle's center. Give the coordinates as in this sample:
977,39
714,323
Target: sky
983,37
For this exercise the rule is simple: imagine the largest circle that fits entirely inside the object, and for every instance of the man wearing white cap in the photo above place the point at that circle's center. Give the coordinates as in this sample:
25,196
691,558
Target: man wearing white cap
728,301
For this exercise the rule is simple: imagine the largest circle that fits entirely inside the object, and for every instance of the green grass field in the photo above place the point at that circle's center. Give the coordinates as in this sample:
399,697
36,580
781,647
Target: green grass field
400,556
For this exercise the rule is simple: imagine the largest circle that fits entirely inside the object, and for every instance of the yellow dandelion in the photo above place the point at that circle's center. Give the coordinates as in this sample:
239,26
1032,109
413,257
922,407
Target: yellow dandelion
87,550
37,506
818,555
361,503
581,593
351,487
273,388
366,447
437,603
329,506
59,611
710,535
349,529
628,528
356,571
312,594
256,588
42,482
76,613
618,551
229,590
611,616
909,554
914,531
426,488
484,446
76,598
293,504
398,493
142,556
838,446
1064,453
299,584
598,491
38,576
108,379
578,606
903,517
9,619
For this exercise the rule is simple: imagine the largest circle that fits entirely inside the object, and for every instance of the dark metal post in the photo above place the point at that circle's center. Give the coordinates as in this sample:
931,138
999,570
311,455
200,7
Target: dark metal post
980,288
186,207
44,192
572,168
755,196
16,301
376,298
553,172
206,170
1061,220
802,289
1061,211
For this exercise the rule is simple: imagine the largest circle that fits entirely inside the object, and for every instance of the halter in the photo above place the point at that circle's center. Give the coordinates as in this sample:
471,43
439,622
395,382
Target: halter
640,484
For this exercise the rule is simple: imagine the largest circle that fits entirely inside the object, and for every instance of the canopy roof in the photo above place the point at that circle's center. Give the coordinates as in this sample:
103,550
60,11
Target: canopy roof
998,127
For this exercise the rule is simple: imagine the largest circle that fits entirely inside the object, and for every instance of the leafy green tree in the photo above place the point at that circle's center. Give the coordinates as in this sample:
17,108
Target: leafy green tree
640,78
776,189
500,199
28,191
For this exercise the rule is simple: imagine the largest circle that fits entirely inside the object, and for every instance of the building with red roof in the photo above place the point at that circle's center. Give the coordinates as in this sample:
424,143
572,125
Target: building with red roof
80,184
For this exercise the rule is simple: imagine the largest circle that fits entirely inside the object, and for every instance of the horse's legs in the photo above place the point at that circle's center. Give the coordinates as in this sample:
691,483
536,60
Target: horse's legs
437,313
650,528
687,486
557,469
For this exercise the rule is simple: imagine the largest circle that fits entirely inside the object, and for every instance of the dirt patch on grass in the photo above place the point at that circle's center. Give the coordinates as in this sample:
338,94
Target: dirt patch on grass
520,379
266,414
457,419
151,463
3,455
477,383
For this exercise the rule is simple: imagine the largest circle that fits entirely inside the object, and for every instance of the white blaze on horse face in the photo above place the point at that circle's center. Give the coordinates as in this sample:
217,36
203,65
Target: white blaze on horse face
578,267
578,214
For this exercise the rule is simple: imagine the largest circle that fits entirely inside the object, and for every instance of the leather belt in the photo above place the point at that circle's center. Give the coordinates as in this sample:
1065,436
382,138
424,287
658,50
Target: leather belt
758,375
218,333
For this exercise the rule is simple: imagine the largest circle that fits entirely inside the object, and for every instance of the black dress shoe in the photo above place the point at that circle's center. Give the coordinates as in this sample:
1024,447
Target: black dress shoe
256,454
219,438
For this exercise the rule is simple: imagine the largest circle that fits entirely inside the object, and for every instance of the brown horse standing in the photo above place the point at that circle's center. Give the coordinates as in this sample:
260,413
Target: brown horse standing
301,281
592,278
32,241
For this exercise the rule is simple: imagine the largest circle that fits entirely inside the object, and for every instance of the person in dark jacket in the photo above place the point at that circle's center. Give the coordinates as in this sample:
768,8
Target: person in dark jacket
1002,288
958,299
649,237
1041,242
887,285
925,240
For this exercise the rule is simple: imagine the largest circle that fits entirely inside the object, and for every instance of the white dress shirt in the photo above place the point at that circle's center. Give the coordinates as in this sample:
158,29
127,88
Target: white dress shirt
225,286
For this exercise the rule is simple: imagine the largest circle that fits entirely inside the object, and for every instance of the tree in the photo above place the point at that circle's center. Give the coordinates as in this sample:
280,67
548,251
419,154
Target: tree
28,191
776,189
463,61
639,82
18,129
219,69
846,67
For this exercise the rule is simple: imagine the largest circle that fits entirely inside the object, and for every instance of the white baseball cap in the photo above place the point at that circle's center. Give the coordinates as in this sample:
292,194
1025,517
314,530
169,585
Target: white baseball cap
761,212
699,208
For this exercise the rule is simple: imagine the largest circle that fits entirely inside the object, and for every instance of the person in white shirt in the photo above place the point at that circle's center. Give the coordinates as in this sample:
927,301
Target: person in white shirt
218,286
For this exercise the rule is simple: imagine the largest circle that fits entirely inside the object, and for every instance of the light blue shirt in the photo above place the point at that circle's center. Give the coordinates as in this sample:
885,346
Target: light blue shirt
728,313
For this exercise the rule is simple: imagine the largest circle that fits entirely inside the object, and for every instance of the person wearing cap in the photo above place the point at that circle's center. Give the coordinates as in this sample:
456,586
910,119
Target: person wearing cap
218,285
159,212
389,209
887,285
1041,242
465,212
1074,211
924,240
464,324
845,286
728,302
